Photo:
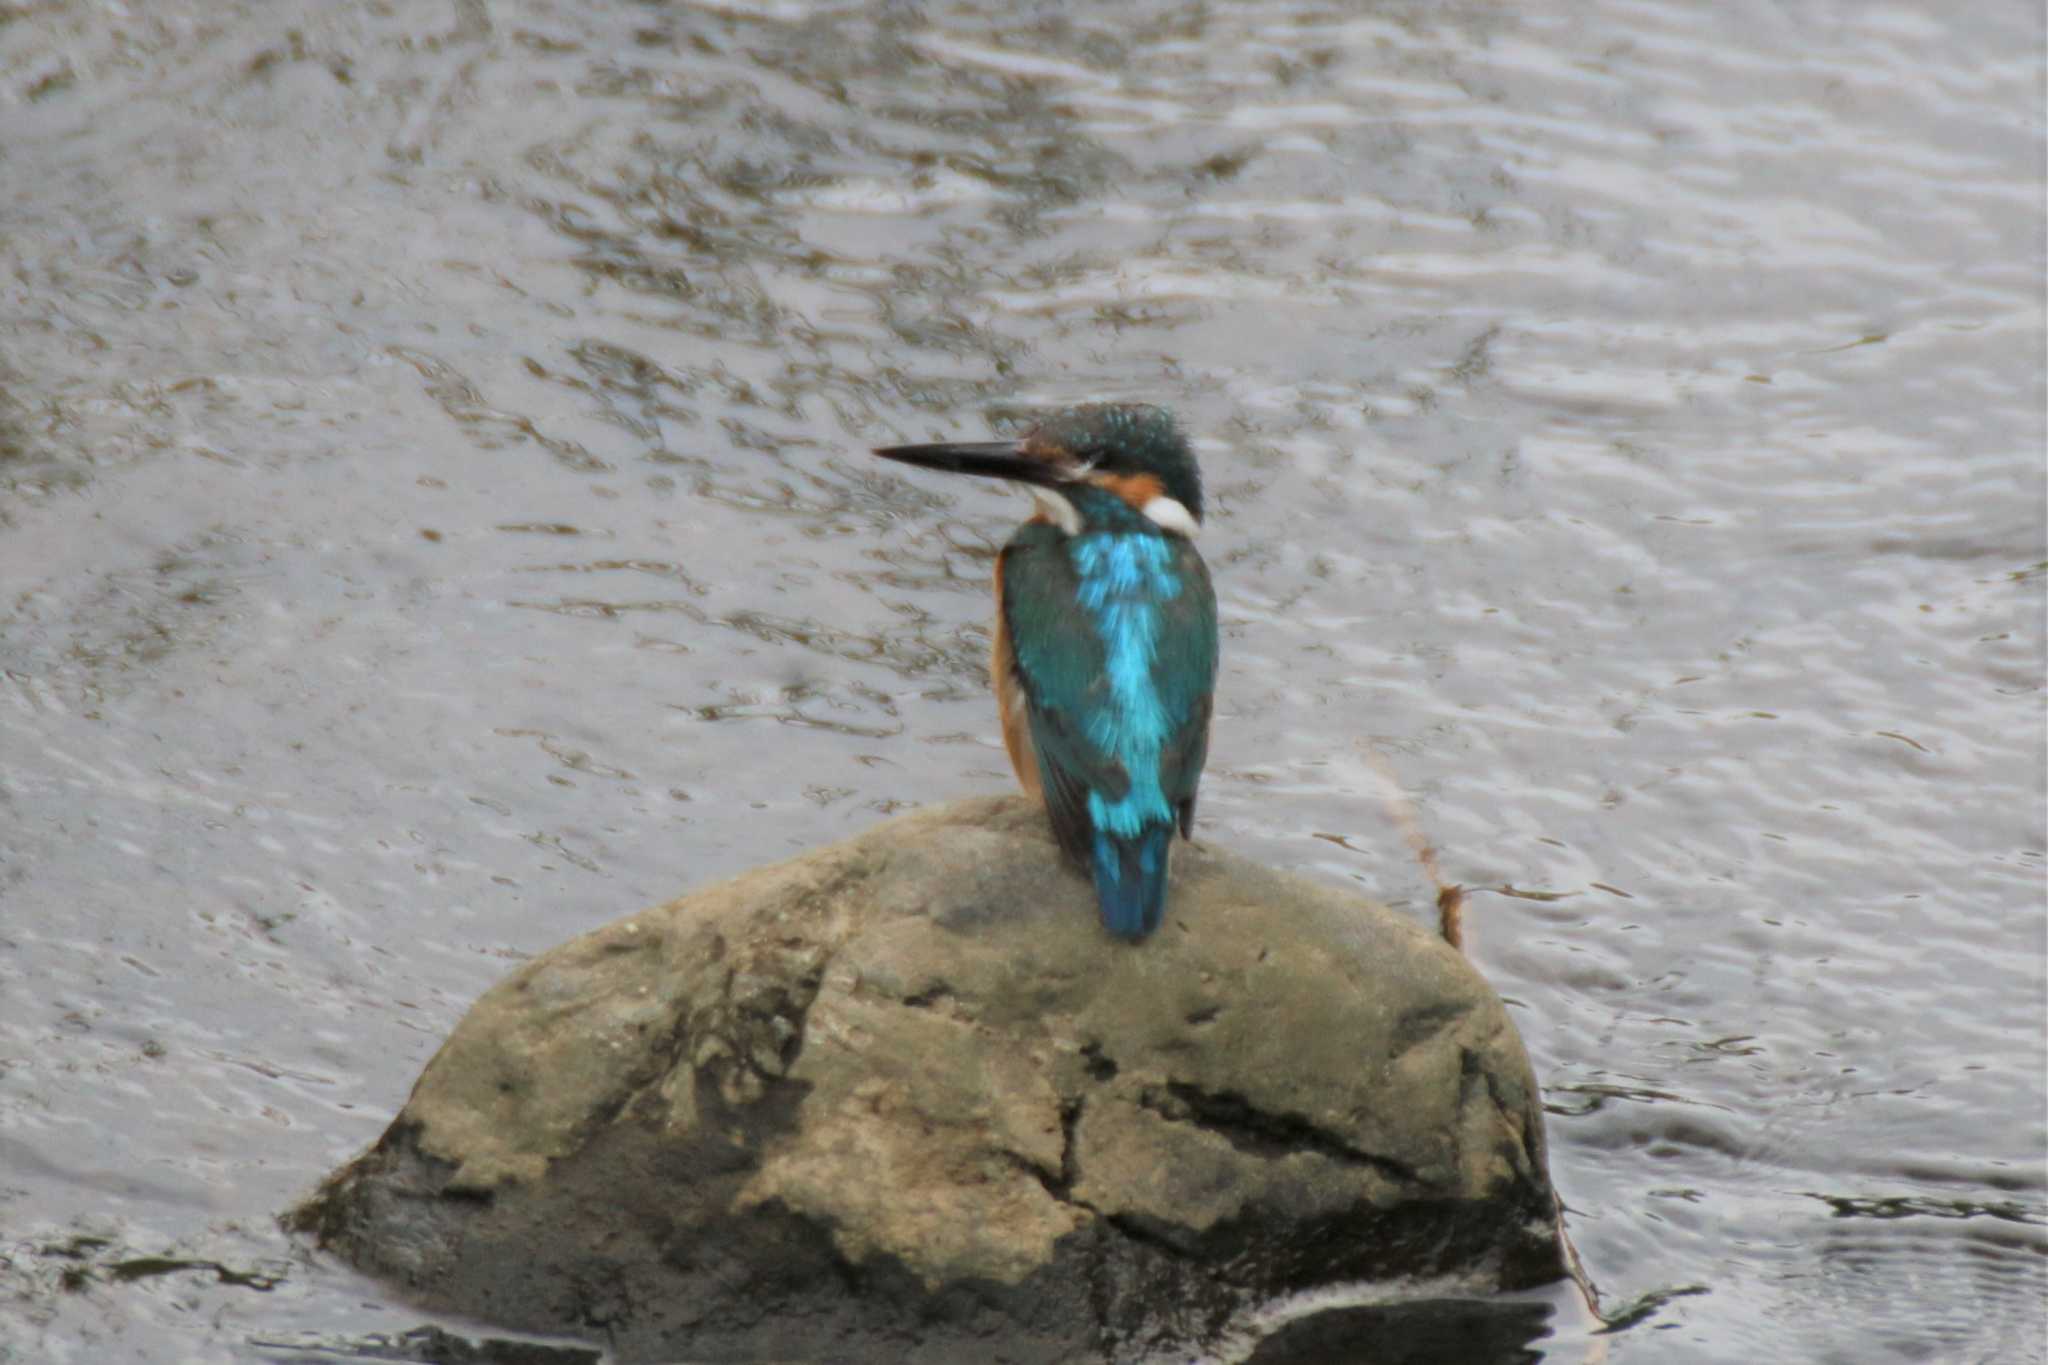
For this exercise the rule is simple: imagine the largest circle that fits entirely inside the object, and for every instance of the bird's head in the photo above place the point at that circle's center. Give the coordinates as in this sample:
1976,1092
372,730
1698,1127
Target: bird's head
1133,450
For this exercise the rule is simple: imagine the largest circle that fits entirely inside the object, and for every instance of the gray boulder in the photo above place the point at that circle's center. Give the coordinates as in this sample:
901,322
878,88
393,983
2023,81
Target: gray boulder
901,1099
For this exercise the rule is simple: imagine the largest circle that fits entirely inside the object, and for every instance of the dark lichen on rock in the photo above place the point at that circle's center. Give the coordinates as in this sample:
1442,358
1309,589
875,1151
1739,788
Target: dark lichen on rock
901,1099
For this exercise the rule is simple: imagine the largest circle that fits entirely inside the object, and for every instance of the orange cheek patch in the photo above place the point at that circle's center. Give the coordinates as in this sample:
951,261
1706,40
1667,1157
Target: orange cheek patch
1135,489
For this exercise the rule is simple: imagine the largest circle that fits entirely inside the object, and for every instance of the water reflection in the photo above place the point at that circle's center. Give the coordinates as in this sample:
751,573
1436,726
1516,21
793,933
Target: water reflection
1423,1333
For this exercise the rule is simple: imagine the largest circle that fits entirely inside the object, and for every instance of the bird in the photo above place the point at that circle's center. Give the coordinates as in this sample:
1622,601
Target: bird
1103,658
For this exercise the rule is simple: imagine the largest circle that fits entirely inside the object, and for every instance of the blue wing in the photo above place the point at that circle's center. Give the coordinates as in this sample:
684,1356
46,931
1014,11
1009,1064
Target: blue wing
1114,639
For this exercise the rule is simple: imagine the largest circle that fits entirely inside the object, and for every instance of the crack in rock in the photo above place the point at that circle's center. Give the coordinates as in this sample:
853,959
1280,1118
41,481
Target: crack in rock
1256,1132
1059,1184
928,999
1419,1026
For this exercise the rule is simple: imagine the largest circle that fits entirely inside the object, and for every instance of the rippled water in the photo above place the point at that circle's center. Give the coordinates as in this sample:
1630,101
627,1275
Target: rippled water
434,521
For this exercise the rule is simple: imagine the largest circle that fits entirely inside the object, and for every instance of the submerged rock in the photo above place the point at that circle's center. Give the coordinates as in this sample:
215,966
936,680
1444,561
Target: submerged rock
901,1099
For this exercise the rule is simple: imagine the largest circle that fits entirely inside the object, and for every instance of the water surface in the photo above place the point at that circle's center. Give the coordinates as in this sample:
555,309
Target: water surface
434,521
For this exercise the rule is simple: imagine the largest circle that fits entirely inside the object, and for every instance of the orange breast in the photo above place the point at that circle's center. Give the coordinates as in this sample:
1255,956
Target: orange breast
1009,690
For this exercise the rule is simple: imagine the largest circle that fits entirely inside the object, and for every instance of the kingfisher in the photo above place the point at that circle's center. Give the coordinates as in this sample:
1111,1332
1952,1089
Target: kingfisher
1104,654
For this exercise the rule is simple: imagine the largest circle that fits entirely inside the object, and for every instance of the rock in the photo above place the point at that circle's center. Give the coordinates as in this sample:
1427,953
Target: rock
902,1099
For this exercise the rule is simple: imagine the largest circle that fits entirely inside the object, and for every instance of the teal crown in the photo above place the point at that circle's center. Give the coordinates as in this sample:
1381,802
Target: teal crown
1126,438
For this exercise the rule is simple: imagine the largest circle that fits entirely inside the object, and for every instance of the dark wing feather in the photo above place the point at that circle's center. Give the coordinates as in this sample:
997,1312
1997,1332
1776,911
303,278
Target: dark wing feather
1184,670
1059,662
1062,763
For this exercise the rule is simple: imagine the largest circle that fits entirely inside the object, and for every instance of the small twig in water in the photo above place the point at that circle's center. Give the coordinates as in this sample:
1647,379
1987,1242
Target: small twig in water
1450,899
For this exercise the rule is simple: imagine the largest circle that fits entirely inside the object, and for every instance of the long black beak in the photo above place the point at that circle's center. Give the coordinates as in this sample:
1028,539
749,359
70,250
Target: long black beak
991,459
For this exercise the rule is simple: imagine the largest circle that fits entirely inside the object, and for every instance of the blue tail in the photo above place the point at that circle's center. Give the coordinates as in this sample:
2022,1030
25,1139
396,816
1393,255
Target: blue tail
1130,879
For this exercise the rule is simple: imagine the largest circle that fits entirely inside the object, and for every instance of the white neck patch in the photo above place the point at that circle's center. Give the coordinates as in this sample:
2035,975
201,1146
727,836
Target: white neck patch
1055,508
1172,514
